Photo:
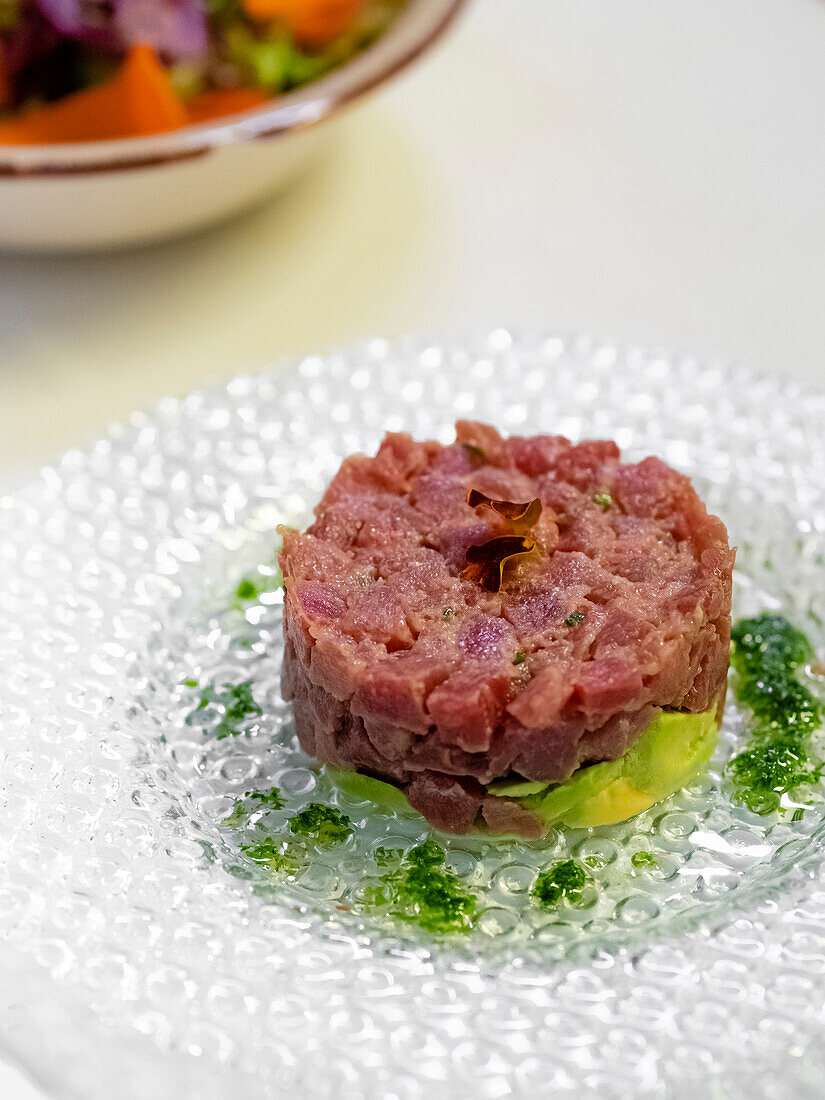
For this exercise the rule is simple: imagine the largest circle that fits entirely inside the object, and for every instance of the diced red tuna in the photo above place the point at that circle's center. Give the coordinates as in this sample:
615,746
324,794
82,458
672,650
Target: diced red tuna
398,666
450,803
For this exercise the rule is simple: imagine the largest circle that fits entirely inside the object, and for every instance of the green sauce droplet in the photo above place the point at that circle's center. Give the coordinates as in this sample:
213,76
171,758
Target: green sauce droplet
768,651
429,894
386,857
643,859
238,705
274,855
254,802
323,824
563,880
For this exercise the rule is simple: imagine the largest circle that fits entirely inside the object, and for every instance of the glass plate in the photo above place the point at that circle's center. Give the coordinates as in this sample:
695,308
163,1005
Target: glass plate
151,946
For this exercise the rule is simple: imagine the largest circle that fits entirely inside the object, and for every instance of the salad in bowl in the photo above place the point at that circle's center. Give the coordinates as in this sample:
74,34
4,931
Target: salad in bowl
129,121
91,70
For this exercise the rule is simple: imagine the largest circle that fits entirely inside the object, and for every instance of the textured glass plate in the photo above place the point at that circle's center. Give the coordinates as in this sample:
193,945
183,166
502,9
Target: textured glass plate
143,953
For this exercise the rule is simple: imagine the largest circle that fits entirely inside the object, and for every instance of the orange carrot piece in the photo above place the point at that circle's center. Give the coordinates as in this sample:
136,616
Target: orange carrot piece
154,105
229,101
138,100
312,22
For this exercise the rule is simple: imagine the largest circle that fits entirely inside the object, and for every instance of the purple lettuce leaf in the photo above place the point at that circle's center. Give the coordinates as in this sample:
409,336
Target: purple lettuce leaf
176,28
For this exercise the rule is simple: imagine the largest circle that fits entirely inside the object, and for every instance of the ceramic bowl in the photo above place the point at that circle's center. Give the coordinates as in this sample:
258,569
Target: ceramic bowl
105,194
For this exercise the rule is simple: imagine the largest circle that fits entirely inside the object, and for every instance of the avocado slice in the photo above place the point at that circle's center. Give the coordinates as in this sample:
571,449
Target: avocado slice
669,752
516,788
386,796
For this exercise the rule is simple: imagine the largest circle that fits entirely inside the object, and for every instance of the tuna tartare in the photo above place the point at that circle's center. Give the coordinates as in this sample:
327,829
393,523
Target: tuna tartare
515,632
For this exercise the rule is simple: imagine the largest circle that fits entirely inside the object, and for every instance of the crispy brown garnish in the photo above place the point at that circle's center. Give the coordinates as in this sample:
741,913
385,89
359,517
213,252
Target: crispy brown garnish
485,563
520,517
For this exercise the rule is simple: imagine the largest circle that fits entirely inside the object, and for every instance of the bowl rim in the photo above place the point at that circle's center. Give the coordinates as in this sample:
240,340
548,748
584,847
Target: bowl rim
412,33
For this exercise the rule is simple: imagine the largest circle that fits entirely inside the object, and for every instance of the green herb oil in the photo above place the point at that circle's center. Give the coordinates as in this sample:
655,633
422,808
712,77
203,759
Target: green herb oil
563,880
768,652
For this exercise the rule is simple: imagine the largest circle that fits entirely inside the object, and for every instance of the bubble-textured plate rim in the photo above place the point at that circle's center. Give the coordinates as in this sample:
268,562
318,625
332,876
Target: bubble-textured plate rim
739,999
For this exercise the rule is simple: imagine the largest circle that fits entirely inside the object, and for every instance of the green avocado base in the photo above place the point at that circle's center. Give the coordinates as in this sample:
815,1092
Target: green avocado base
673,748
669,752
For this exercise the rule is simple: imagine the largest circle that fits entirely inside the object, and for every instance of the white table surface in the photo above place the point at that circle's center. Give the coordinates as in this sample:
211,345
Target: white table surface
647,170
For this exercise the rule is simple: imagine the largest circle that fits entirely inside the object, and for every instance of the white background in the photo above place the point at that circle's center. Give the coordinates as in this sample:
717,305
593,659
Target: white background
649,170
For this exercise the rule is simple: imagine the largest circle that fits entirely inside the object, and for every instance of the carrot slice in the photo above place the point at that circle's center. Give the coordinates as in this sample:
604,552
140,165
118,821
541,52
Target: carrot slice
312,22
153,103
138,100
229,101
